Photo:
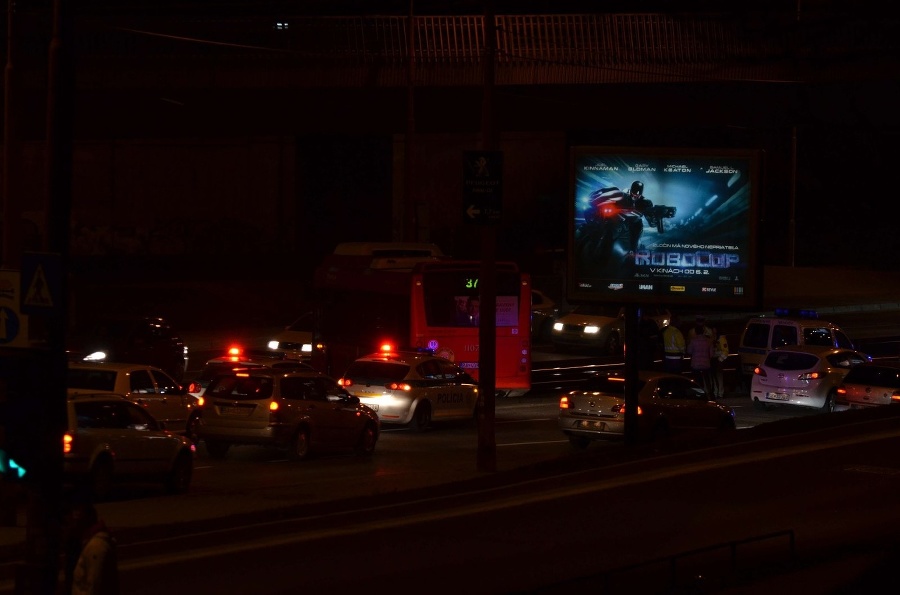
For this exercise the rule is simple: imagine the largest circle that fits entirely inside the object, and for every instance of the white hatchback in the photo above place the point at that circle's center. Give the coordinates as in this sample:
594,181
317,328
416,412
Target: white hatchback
806,375
410,387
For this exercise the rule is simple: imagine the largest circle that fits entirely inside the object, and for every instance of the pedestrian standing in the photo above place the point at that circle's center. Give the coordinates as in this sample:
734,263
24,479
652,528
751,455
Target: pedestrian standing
673,347
721,354
701,350
95,570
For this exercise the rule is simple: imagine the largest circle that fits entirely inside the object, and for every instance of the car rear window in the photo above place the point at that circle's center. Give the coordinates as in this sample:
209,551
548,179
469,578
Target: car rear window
609,385
376,371
874,375
241,387
791,360
91,379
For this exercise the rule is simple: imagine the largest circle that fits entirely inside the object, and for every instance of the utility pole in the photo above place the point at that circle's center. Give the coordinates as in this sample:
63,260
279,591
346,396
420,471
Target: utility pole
12,148
38,575
410,224
487,330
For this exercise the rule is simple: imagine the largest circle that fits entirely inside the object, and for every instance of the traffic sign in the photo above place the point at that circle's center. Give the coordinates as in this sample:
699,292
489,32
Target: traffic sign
13,326
41,283
482,186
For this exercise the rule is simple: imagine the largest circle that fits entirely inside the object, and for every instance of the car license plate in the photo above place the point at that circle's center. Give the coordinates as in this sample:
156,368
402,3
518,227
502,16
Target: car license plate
777,396
588,424
242,411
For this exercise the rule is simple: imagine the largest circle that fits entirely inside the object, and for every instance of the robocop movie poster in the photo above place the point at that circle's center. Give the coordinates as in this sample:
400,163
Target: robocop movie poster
666,225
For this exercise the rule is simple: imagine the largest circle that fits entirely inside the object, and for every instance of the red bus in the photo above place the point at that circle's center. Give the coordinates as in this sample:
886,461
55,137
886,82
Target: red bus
411,295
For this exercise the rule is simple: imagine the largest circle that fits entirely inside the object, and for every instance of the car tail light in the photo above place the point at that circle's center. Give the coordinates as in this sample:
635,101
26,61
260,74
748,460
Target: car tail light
895,397
564,402
759,371
194,387
345,382
398,386
811,376
273,406
621,409
67,443
841,390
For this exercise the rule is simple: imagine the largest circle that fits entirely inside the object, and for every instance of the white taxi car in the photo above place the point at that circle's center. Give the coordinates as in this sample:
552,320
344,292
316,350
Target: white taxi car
803,375
161,395
412,388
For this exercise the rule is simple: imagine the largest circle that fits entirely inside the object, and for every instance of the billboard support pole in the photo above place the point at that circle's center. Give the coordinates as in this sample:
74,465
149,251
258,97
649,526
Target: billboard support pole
632,353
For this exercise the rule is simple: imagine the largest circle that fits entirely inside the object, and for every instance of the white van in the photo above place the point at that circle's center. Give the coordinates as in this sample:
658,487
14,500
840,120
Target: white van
762,334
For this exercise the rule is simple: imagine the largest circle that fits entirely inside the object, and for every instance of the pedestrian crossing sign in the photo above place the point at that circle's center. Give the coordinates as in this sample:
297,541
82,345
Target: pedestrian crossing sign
41,283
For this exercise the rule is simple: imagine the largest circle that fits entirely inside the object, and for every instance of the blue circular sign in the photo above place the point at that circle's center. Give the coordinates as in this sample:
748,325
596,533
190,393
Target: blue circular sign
9,325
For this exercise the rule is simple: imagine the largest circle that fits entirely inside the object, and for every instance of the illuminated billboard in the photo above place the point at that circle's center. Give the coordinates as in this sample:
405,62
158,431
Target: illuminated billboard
664,226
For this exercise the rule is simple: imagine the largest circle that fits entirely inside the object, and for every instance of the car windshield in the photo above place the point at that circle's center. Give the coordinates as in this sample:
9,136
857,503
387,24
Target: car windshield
597,310
376,372
304,323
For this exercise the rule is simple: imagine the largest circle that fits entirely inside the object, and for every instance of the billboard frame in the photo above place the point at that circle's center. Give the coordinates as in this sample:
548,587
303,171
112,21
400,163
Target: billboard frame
714,228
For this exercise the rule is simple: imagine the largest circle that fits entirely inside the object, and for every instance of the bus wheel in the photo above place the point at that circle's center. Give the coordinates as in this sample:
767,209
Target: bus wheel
421,417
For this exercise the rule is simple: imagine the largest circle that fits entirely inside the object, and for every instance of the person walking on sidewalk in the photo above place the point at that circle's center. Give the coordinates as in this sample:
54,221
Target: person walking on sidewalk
673,346
702,350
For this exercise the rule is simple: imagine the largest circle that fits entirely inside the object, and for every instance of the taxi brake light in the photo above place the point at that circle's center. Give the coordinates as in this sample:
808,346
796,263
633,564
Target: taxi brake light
273,406
398,386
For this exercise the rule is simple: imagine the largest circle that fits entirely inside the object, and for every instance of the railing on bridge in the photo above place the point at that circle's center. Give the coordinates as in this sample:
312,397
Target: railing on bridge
545,49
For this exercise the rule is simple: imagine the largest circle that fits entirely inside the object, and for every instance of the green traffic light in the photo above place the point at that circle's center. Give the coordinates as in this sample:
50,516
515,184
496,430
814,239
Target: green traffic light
8,465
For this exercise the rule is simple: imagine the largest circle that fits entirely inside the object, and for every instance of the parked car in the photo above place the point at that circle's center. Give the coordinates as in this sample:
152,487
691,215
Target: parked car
412,387
241,359
148,386
543,313
149,340
667,403
303,411
110,440
804,375
869,385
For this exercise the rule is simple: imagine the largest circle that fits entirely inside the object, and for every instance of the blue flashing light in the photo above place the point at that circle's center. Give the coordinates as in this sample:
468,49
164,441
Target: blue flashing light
797,313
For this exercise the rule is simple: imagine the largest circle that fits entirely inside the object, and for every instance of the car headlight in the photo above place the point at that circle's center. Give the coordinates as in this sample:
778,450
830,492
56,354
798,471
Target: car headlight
273,344
592,329
557,326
